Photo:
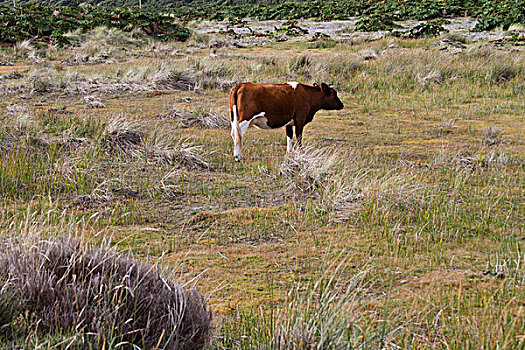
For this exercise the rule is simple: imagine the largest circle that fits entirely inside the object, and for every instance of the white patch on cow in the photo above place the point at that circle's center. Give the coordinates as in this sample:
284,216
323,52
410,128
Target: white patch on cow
239,129
291,123
260,121
293,84
243,127
289,144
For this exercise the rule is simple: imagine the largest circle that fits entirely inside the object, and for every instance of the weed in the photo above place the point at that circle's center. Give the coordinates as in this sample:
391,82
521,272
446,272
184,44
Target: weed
492,136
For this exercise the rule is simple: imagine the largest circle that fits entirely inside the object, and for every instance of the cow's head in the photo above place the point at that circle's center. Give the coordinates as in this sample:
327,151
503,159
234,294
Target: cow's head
330,99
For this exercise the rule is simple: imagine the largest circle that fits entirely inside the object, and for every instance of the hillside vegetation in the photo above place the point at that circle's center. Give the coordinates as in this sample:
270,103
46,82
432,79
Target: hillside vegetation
378,14
43,23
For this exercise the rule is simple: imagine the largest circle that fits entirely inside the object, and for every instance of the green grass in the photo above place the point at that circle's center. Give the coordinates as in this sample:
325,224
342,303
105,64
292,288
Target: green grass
423,200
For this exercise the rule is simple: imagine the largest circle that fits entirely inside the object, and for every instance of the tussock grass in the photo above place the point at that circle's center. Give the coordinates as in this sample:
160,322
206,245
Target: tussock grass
93,102
123,137
23,48
199,118
308,169
181,153
492,136
102,37
19,117
128,138
337,183
383,67
502,73
62,285
202,40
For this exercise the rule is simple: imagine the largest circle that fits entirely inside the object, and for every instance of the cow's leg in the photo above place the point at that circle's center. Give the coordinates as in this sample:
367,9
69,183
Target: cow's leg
236,135
299,135
289,138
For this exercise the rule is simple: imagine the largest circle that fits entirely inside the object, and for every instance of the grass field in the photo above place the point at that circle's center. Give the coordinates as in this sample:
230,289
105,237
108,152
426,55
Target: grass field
400,224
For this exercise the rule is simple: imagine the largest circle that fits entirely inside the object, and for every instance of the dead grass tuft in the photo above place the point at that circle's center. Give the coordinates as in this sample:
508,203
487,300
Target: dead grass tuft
432,78
492,136
23,48
123,137
180,153
64,285
308,169
198,118
93,102
320,174
128,138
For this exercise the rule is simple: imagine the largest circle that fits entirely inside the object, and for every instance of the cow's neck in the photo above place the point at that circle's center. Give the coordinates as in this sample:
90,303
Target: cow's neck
316,101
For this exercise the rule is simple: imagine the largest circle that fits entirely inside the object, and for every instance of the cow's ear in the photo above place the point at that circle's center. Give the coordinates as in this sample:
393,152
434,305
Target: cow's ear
325,88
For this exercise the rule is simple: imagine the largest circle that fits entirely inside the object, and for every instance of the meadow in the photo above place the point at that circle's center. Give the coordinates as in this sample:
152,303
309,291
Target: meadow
399,225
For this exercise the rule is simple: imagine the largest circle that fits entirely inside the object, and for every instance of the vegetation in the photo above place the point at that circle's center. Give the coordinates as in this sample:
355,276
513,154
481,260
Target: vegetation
93,298
49,23
53,22
398,225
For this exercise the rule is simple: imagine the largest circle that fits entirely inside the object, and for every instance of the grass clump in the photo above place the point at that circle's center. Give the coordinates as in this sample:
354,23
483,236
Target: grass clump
319,174
104,37
307,169
64,285
198,118
492,136
127,138
123,137
180,153
501,73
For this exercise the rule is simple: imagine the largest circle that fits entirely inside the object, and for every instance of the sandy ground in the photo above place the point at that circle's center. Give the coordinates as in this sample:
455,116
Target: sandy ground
343,29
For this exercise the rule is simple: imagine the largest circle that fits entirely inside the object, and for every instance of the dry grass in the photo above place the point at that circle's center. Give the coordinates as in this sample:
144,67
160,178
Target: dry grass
419,180
198,118
62,285
123,137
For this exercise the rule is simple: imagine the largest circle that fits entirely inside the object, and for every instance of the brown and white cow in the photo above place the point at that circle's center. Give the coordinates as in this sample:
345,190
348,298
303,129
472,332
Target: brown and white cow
271,106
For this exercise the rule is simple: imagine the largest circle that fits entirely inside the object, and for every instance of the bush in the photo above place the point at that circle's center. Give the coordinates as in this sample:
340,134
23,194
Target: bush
427,30
374,22
52,24
63,286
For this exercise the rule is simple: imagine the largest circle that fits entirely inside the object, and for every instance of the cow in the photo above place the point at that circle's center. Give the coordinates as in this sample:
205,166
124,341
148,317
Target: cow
272,106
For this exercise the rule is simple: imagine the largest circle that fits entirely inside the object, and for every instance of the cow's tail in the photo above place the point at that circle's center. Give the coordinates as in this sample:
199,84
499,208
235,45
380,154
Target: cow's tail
234,116
233,103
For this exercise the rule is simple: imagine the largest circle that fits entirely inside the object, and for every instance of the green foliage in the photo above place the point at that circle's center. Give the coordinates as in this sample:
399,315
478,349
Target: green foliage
494,13
52,22
291,28
374,22
427,29
48,24
500,14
